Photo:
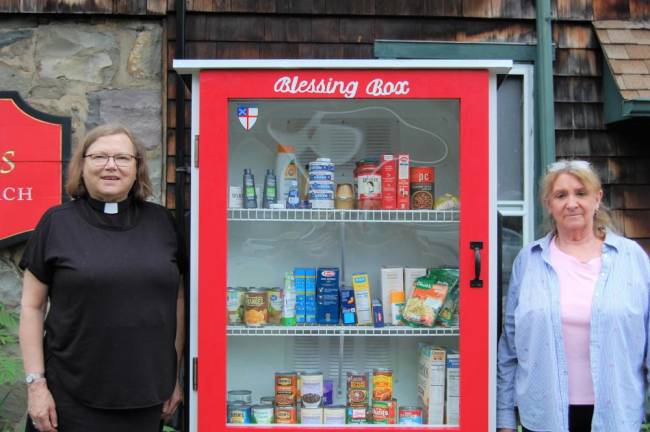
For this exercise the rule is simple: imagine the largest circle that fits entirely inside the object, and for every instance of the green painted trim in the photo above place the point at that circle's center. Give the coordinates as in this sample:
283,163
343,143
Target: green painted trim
615,108
454,50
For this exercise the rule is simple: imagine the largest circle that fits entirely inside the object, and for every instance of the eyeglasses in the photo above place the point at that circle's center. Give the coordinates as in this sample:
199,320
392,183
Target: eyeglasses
568,164
122,160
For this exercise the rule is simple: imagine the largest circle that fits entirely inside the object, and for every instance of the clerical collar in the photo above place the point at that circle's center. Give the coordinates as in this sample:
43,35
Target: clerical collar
109,208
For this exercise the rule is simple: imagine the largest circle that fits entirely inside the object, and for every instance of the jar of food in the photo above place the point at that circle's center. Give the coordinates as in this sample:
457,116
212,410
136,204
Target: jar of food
256,312
368,185
421,186
382,384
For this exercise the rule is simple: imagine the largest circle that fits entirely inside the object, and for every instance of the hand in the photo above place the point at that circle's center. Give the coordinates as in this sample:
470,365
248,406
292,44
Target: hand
41,407
172,403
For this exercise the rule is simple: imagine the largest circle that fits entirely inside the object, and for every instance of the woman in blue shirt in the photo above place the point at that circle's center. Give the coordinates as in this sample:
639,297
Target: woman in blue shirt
573,355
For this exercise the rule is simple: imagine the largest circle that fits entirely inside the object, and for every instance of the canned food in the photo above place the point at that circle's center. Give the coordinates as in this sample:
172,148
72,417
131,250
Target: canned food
334,414
382,384
311,389
256,308
285,414
274,296
410,415
368,185
322,195
318,186
245,396
356,415
384,412
357,383
311,416
286,388
239,412
267,400
322,164
235,306
321,176
421,186
262,414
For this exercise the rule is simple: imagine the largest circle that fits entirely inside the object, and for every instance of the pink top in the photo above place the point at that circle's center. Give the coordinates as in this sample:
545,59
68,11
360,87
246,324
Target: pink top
577,283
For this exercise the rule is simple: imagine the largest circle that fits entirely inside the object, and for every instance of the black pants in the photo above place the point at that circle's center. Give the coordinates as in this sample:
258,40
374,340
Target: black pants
579,418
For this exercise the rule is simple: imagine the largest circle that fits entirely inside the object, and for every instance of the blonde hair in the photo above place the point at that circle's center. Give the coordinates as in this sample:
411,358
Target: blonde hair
584,172
75,187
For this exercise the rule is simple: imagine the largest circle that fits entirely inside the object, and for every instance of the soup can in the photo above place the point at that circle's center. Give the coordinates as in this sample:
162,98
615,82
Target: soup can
334,414
262,414
356,415
256,312
285,414
410,415
382,384
245,396
311,415
286,388
357,386
384,412
239,413
267,400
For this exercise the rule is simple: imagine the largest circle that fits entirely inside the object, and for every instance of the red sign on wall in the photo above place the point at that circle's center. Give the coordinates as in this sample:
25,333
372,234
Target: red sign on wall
33,149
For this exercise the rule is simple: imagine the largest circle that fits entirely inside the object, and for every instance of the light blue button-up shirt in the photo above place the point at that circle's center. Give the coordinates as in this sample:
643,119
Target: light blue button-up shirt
532,371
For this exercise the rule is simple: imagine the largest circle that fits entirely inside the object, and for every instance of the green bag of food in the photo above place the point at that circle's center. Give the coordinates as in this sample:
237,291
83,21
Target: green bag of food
429,296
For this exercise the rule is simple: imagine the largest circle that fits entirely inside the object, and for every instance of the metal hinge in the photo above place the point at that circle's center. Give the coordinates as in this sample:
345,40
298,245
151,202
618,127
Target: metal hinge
196,151
195,373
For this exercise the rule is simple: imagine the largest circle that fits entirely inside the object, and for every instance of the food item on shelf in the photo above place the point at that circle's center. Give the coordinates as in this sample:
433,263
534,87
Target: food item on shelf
289,301
428,296
270,194
377,313
327,295
357,389
396,307
248,188
321,192
311,415
449,308
392,279
245,396
382,384
267,400
344,198
403,196
235,197
310,296
239,413
410,275
256,311
286,414
361,286
275,305
262,414
421,187
334,415
388,172
384,411
446,201
348,308
286,171
368,185
286,388
431,383
452,407
311,389
356,414
410,415
300,277
235,305
328,390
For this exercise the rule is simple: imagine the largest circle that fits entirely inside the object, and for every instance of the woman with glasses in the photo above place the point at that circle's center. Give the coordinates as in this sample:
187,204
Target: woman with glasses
573,355
101,328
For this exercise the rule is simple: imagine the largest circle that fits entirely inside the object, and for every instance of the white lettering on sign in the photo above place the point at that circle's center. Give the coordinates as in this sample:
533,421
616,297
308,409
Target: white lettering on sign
379,87
295,85
7,165
16,194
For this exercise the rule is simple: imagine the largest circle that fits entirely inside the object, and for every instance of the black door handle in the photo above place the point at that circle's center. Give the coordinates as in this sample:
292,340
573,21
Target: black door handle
477,282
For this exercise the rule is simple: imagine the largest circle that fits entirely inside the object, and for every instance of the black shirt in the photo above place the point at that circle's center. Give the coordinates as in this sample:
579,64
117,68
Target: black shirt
113,282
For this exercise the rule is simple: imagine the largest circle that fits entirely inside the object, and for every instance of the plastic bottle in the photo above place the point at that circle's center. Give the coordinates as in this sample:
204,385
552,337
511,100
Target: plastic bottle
286,170
289,300
248,190
270,195
293,196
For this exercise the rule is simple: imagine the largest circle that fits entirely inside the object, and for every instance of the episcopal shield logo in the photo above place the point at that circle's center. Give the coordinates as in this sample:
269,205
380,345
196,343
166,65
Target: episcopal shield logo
34,146
247,115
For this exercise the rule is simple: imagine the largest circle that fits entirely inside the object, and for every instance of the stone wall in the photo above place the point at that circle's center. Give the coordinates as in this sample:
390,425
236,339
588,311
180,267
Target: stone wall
94,70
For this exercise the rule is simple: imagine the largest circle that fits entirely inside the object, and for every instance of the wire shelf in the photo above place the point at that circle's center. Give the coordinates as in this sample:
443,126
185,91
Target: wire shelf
340,215
313,330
